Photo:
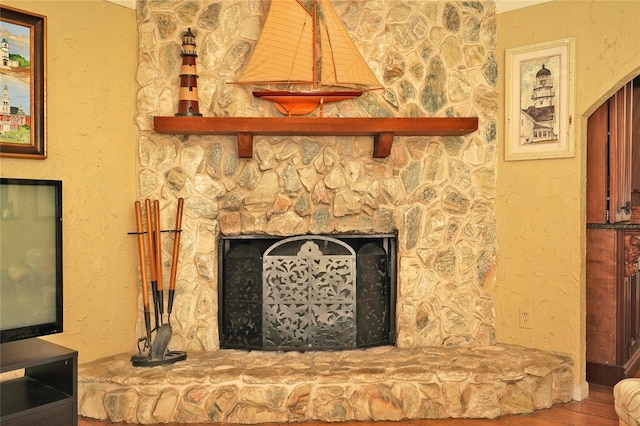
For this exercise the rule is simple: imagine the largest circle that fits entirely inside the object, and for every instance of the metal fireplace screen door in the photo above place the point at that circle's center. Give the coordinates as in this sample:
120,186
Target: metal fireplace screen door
309,295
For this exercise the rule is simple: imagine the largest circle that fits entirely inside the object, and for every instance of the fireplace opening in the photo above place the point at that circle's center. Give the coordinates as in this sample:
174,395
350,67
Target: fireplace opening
311,292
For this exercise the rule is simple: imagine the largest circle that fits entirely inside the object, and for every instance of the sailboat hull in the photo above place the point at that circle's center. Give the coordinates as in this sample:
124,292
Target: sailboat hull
301,103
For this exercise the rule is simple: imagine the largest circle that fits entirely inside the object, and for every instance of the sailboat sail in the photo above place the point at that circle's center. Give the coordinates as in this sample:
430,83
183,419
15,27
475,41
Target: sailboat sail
286,53
328,70
283,52
349,66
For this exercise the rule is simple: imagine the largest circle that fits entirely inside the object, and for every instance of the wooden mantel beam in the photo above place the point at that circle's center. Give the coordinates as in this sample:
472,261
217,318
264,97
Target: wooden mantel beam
382,129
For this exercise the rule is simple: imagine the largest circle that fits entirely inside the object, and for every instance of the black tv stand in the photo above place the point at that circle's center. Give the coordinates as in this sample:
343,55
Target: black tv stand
48,391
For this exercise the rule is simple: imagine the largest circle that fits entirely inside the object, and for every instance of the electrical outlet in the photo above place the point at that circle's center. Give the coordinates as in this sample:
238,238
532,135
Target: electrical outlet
525,318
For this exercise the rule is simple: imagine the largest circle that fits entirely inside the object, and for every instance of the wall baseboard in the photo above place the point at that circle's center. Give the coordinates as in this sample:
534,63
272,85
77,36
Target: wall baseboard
580,391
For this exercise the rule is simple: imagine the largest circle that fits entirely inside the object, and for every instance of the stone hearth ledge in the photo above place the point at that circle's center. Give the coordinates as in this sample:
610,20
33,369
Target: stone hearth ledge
386,383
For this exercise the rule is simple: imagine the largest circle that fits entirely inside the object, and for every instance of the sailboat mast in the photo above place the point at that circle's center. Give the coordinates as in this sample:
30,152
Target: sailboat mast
315,43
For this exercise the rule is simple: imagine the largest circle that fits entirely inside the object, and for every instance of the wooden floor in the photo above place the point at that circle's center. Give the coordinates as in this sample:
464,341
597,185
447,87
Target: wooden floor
595,410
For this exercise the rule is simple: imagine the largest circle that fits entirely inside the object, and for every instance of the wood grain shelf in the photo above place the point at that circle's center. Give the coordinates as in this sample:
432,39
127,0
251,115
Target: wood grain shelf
383,130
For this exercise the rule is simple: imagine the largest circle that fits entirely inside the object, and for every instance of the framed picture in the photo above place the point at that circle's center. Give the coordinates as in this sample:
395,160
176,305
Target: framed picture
22,84
540,101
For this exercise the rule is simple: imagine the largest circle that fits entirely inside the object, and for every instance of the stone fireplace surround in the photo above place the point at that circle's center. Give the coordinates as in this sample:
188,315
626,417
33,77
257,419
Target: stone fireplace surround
434,58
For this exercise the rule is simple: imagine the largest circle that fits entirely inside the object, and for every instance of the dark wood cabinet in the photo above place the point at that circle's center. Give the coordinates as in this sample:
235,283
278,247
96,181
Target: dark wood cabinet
635,151
612,157
598,165
632,294
613,242
47,392
613,305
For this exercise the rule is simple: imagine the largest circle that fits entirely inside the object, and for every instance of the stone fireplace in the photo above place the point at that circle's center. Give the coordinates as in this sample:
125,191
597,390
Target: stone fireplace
435,193
435,59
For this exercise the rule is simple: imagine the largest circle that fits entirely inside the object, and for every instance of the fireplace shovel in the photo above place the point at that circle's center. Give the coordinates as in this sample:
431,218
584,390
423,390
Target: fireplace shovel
141,357
163,331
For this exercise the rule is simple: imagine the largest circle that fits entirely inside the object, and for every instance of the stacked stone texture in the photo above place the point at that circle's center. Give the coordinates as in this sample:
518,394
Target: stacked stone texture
434,58
377,384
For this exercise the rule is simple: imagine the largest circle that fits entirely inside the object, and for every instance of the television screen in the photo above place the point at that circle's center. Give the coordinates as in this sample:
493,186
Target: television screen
30,258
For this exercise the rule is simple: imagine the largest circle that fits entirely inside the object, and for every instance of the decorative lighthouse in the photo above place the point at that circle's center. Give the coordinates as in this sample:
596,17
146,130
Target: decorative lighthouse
188,104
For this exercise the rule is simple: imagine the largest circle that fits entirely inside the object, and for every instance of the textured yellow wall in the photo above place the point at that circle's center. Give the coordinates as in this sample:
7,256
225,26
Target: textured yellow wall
541,204
92,148
91,54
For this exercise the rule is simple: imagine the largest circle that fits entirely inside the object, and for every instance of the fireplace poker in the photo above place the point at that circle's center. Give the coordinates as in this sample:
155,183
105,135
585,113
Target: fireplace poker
174,258
163,332
152,259
145,289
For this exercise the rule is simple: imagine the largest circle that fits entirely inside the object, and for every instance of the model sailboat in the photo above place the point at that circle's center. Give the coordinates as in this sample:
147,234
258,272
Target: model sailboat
306,48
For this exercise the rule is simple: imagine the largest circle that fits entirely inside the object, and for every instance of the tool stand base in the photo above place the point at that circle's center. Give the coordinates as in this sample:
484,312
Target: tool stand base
144,360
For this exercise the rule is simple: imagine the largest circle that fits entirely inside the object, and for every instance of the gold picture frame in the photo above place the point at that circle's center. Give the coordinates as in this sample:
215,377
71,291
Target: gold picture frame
540,101
22,84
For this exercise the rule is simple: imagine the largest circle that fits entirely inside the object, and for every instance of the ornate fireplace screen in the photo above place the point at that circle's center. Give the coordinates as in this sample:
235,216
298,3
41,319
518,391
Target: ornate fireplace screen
307,293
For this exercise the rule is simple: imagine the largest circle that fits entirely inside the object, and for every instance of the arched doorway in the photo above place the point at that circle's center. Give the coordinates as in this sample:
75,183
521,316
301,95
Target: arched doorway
613,239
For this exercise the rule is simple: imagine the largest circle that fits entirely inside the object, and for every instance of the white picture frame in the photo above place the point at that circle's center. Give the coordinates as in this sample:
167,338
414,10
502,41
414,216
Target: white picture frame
540,101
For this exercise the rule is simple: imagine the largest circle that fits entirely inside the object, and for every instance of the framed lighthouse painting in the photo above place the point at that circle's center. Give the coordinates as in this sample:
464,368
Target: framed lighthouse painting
22,84
539,101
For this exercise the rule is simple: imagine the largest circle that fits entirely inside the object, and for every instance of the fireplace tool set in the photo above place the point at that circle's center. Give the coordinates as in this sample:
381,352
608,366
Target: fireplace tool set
152,352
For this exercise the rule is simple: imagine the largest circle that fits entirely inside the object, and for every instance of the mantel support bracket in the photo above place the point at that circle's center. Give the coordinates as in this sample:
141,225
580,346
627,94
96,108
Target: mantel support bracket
382,143
245,144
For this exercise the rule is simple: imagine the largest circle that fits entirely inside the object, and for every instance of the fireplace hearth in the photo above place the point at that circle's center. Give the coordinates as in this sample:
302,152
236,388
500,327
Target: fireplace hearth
311,292
377,384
